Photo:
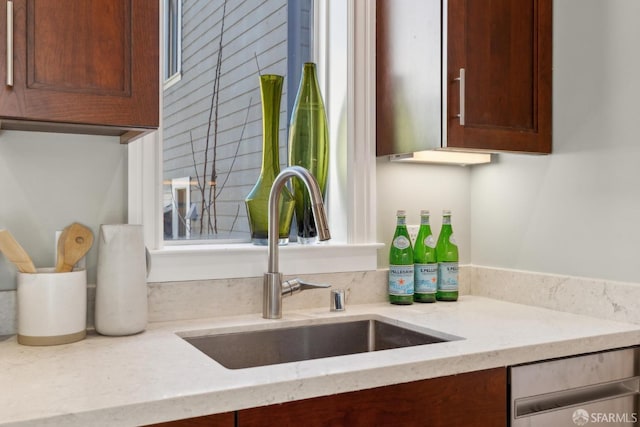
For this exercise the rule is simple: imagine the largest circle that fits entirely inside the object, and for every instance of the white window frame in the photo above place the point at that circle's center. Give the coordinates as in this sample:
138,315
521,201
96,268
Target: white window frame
172,79
347,77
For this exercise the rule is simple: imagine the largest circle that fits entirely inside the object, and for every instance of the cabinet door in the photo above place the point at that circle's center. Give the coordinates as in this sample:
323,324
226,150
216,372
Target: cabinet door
80,63
504,47
408,76
466,400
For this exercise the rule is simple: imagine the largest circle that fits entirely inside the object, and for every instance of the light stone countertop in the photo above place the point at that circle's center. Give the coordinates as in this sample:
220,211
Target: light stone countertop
156,376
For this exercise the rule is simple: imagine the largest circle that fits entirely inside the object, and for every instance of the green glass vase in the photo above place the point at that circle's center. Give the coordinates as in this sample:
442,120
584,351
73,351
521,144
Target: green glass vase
257,201
308,147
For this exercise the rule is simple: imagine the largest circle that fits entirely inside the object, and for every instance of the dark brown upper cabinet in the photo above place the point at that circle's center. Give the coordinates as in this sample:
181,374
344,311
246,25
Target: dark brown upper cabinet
80,66
504,48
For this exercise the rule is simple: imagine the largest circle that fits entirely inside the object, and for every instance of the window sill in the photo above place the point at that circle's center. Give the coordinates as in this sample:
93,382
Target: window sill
175,78
206,262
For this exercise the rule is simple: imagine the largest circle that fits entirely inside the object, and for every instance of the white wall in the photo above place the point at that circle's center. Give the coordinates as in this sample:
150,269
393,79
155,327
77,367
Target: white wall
48,181
576,211
413,187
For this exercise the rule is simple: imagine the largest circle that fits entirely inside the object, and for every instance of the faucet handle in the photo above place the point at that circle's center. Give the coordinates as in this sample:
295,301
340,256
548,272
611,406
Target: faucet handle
293,286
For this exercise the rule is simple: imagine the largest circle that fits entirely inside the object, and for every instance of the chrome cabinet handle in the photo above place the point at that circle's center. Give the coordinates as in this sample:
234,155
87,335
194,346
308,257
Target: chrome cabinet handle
461,79
9,43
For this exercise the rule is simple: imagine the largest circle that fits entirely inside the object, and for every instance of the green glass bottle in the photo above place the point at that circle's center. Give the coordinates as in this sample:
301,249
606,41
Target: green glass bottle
401,264
257,200
308,147
424,262
447,256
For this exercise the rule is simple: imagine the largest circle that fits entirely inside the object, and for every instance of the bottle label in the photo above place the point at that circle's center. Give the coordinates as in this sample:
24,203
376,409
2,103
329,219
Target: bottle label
430,241
426,278
401,280
401,242
448,276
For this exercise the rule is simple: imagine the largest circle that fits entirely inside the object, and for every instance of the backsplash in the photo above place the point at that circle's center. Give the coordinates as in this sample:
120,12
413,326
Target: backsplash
228,297
605,299
8,312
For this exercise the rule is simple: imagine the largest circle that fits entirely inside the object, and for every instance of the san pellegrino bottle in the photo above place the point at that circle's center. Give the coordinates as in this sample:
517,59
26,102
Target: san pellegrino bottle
401,264
424,262
447,256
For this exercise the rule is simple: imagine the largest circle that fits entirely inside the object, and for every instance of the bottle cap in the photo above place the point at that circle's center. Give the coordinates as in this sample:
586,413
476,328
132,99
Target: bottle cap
424,212
401,212
446,212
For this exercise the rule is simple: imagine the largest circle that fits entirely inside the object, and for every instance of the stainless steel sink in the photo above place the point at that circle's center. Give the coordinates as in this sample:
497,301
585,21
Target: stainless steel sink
245,349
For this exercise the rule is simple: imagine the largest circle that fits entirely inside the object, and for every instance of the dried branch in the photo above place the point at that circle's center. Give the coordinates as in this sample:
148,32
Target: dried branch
205,207
201,186
255,55
235,155
214,173
235,219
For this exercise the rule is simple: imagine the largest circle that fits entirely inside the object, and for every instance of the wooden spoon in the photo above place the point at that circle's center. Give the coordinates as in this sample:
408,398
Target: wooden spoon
74,243
60,251
15,253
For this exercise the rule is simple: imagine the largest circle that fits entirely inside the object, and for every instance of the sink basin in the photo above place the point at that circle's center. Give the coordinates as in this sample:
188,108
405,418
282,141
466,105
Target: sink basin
245,349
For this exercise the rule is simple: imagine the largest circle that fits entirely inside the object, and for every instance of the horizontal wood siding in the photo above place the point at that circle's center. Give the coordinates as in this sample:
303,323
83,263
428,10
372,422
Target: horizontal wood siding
253,29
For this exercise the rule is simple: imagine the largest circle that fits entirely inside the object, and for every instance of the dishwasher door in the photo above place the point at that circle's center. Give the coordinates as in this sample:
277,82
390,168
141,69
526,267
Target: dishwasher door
600,388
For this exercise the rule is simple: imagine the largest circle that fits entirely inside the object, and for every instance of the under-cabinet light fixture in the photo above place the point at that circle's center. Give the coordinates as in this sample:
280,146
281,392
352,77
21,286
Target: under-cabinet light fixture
443,157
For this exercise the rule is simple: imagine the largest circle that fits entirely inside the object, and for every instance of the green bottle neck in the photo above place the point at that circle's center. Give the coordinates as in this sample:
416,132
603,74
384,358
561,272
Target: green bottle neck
271,94
309,89
447,229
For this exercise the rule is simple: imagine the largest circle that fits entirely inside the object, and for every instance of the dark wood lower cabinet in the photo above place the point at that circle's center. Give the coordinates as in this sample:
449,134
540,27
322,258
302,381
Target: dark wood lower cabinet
472,399
217,420
475,399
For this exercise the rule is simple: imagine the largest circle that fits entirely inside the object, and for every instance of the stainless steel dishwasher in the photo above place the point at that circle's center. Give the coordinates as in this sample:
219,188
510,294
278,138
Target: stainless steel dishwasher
594,389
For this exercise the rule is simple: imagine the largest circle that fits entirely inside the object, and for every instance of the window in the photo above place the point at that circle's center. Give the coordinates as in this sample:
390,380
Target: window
212,117
348,85
179,212
172,41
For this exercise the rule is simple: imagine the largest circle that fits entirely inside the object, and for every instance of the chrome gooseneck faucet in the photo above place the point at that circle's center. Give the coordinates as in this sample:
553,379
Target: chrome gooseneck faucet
274,288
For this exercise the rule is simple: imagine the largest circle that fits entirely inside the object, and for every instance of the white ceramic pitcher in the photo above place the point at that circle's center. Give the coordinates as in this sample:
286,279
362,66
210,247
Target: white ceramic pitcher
121,286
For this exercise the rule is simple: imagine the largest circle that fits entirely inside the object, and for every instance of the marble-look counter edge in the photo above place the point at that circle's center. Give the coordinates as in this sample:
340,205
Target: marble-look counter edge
156,376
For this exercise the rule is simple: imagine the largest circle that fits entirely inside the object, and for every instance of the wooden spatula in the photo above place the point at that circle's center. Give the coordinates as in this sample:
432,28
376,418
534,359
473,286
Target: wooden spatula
15,253
74,243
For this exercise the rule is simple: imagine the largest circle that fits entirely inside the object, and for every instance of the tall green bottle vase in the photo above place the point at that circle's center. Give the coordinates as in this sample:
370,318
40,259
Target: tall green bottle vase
257,200
308,147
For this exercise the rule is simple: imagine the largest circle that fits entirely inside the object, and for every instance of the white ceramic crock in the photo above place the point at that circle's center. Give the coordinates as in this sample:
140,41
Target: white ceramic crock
52,307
